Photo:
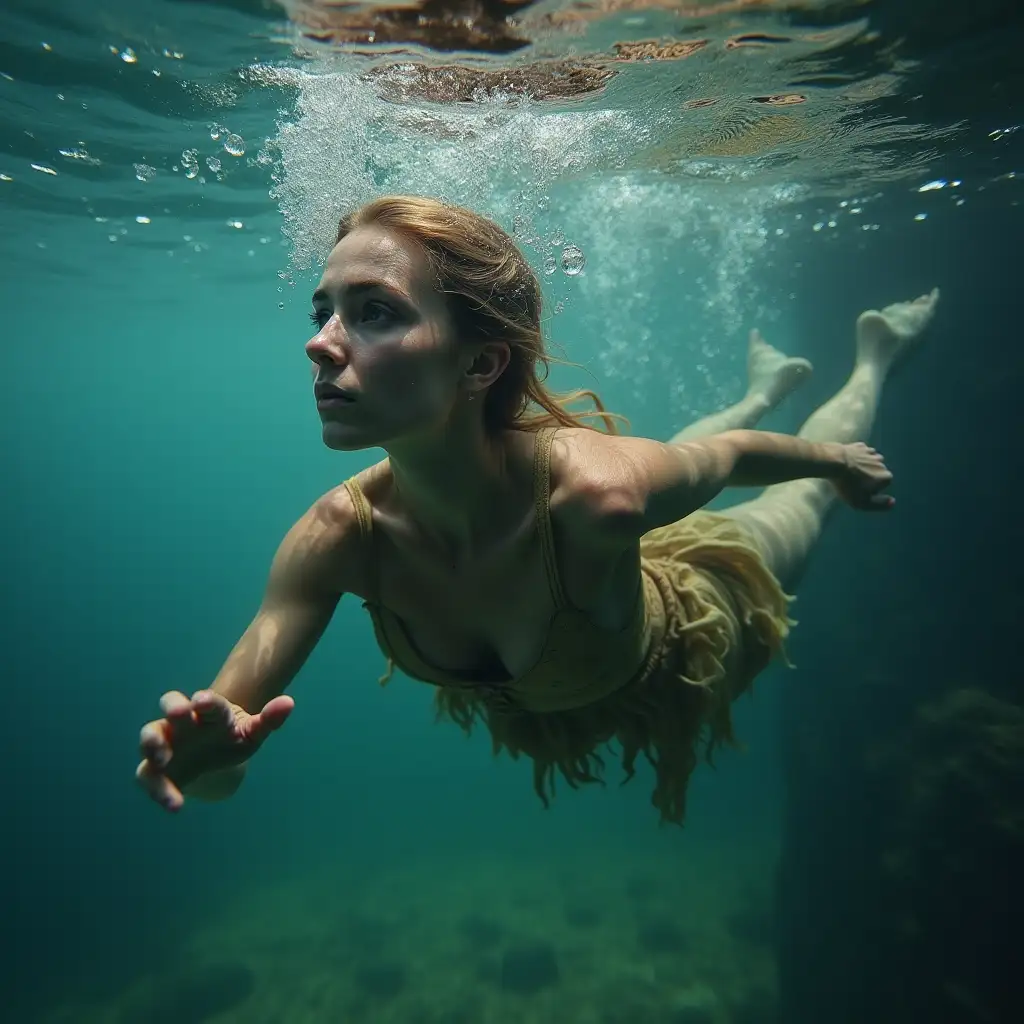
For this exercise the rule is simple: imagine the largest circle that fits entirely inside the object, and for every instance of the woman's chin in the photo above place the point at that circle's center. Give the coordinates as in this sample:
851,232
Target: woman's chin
343,438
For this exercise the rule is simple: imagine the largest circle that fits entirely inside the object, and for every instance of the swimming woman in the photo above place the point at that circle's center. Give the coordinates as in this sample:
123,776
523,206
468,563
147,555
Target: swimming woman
555,582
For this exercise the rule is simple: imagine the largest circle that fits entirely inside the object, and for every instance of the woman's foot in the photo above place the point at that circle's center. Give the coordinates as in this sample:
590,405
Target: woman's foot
884,337
771,374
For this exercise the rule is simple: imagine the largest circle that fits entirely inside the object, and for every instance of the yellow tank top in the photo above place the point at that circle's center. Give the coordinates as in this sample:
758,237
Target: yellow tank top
580,661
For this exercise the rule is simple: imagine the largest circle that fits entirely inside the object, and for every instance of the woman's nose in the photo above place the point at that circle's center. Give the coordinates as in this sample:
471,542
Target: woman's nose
329,344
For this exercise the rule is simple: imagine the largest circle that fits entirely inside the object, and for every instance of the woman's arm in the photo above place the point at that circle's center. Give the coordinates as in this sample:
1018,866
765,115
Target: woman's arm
622,487
306,581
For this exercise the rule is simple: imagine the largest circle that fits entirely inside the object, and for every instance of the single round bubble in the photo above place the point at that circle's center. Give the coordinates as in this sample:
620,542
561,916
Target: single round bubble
573,260
280,305
235,145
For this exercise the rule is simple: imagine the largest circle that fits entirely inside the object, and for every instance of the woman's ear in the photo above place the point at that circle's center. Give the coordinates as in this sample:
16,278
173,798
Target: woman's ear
487,365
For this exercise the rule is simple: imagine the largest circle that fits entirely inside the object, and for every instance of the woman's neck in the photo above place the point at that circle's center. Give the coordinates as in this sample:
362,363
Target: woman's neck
463,486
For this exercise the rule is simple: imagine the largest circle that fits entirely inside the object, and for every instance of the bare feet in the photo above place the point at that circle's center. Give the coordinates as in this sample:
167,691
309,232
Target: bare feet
883,338
772,374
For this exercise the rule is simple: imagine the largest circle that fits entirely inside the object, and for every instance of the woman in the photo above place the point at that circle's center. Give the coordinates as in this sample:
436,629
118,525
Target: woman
557,582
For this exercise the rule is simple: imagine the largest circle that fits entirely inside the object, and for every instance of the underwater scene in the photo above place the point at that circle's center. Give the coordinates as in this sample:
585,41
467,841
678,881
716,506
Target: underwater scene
676,686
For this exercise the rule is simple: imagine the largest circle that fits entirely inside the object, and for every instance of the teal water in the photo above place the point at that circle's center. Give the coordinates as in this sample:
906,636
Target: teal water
170,175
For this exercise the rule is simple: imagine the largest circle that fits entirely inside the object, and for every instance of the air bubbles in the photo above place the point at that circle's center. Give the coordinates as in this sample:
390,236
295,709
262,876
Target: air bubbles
214,164
216,131
280,305
128,55
144,172
81,154
235,145
236,224
558,237
47,47
190,162
573,260
43,169
174,55
143,220
550,266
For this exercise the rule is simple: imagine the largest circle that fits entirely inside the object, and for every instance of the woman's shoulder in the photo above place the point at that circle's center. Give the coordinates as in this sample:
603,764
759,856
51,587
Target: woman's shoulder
595,485
332,533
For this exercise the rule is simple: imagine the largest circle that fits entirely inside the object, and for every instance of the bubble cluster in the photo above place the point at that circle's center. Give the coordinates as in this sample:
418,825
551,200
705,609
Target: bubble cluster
343,144
190,162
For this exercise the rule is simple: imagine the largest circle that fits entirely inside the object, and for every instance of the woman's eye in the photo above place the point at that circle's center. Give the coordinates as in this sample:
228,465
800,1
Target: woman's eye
375,312
319,317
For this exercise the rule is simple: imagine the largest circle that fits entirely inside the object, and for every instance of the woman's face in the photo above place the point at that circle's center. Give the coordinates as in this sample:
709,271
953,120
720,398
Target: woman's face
387,362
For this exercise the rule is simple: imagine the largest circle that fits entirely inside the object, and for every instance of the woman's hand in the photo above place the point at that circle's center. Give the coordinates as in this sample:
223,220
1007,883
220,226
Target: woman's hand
863,479
198,738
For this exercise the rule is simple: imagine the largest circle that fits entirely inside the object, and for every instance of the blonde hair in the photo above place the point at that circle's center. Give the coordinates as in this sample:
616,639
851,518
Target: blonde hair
494,295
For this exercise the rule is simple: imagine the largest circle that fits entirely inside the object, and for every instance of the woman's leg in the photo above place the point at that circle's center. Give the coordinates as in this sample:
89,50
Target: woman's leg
786,519
771,375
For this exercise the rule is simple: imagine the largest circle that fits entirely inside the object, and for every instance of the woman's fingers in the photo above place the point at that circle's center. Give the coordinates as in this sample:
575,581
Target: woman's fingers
155,742
159,786
212,709
177,708
274,714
